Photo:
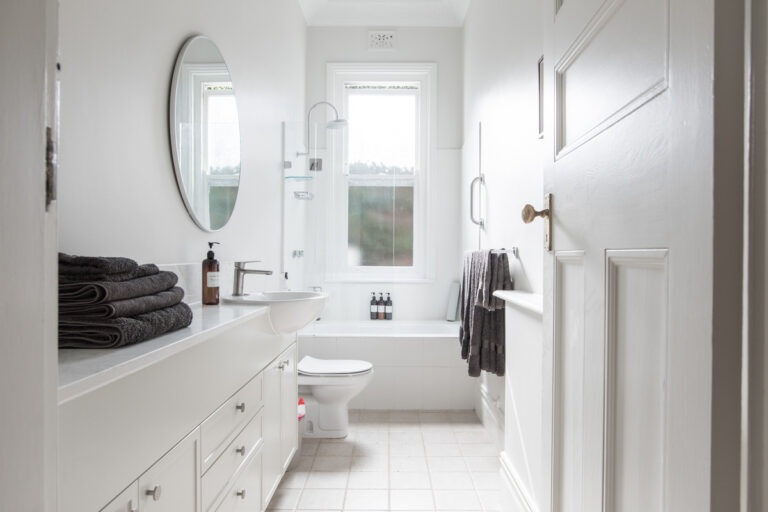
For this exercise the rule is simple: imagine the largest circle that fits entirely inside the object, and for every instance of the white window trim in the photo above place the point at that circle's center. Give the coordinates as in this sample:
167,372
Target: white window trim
193,76
337,269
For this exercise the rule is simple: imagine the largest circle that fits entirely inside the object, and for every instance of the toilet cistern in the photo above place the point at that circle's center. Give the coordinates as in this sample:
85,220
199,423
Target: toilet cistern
240,273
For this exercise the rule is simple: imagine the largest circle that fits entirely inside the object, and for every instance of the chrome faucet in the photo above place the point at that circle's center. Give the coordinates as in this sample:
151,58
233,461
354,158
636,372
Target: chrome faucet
240,272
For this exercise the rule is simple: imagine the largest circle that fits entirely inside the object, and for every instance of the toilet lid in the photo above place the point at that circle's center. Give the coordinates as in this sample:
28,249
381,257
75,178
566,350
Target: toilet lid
311,366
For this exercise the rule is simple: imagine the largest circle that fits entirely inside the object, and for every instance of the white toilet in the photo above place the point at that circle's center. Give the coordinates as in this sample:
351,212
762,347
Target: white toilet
327,386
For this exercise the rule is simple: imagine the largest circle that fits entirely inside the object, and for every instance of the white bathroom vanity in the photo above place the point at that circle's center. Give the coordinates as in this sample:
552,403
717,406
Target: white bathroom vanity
198,420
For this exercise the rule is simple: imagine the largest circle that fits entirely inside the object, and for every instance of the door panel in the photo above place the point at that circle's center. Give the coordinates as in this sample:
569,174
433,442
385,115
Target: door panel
604,73
636,379
570,356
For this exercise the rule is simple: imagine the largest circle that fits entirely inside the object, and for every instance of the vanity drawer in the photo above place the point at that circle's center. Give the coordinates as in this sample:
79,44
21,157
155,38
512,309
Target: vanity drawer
245,494
231,462
218,430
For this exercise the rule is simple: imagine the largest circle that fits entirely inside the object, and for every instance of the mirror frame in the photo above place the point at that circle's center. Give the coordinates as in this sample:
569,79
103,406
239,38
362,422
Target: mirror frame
173,132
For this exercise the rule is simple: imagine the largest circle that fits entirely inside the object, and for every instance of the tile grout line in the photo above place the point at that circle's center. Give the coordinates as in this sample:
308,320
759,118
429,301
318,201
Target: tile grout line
429,469
471,476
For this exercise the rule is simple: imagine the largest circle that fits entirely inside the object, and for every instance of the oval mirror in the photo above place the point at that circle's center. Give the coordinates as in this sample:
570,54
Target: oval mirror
205,133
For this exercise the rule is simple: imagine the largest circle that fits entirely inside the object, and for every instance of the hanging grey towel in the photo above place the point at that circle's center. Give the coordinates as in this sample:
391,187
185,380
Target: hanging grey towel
482,315
118,308
100,292
119,332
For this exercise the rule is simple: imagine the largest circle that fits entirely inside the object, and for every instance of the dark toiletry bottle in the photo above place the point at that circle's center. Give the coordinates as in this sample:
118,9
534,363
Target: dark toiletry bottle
374,307
380,307
211,278
388,308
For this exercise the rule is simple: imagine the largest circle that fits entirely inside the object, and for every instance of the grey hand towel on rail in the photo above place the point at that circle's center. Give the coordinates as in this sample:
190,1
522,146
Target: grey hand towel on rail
119,332
100,292
481,332
121,308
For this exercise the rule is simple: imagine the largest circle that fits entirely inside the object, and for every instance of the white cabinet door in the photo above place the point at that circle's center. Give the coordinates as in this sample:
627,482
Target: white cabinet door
272,464
289,402
172,484
127,501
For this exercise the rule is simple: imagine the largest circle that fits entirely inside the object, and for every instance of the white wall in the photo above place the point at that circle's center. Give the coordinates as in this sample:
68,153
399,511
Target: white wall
28,374
438,45
502,46
117,192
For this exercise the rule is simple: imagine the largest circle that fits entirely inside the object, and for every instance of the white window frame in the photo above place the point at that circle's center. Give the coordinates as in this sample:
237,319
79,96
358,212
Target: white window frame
193,76
337,266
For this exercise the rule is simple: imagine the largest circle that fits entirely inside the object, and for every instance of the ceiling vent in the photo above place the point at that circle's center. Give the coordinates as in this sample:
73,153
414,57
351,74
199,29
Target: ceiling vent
379,40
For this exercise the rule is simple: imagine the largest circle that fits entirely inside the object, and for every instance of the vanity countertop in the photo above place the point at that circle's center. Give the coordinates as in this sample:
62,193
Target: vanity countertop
81,370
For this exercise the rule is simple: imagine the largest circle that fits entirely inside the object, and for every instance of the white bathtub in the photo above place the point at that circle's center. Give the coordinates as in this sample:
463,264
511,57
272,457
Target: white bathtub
383,328
417,364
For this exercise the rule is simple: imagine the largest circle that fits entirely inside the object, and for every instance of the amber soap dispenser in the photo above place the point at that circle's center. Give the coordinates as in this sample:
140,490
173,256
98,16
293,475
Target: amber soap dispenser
211,277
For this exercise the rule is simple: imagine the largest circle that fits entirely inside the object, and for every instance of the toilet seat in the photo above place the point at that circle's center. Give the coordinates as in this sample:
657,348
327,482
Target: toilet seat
313,367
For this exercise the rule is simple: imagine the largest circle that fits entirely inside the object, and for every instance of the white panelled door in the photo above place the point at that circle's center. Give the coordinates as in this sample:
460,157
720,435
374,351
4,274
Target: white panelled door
628,286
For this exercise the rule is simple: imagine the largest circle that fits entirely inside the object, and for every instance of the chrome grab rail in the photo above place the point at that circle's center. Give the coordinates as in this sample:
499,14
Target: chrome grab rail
478,221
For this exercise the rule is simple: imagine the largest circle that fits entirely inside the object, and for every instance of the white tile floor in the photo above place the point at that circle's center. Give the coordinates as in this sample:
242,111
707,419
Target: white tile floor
397,461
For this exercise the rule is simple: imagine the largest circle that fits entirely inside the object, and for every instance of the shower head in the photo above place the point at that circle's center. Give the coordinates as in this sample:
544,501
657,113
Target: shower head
336,124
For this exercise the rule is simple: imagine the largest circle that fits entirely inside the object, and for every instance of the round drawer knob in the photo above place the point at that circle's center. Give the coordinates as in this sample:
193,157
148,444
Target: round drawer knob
240,407
155,492
241,494
240,450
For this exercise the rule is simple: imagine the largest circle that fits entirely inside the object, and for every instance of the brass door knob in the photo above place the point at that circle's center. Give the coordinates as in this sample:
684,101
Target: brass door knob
530,213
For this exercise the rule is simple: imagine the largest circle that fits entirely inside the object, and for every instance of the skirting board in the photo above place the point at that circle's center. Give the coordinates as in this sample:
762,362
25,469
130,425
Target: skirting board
514,497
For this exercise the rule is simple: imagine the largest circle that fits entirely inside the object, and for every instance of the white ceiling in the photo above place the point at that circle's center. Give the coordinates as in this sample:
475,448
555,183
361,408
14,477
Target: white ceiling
385,13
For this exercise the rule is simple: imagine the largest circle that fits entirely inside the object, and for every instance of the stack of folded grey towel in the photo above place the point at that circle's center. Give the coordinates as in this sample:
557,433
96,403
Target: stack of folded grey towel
113,302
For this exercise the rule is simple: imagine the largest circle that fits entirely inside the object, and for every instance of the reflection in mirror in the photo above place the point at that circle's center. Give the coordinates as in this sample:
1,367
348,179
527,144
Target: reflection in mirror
205,133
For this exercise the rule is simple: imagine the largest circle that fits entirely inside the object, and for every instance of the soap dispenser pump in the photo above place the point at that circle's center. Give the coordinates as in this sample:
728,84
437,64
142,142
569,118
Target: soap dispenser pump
211,277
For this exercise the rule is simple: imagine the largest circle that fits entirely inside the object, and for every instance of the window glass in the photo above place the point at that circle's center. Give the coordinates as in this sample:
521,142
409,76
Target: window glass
222,136
383,127
380,226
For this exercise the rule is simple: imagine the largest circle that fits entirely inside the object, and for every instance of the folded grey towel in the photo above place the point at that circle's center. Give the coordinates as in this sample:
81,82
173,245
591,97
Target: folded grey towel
100,292
124,308
119,332
141,271
94,265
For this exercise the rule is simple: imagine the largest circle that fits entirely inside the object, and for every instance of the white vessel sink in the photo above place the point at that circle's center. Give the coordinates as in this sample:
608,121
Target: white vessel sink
288,311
